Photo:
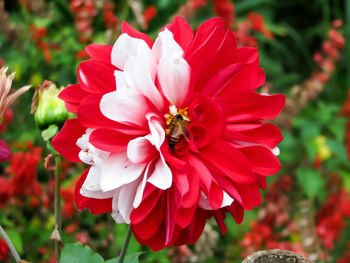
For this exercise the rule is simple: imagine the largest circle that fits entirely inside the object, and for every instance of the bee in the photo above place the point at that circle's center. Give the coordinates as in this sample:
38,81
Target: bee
178,129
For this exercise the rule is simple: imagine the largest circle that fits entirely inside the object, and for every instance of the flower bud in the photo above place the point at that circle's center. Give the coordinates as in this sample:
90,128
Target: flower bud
47,107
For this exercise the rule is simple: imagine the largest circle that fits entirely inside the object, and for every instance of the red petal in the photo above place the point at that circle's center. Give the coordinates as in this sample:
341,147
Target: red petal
194,230
225,55
249,77
147,205
219,218
182,32
263,161
126,28
220,80
156,242
204,31
71,107
215,196
150,224
227,161
72,96
171,213
237,212
110,140
266,133
251,106
96,76
96,206
65,141
247,54
185,215
250,195
101,52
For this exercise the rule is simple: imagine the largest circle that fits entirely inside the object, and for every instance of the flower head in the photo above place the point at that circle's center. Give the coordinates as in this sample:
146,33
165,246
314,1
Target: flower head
47,107
174,131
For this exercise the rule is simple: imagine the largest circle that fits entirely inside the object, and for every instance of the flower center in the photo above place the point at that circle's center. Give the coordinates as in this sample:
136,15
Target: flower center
176,124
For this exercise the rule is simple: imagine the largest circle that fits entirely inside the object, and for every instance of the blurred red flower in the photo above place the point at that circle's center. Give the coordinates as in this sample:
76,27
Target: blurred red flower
23,171
4,251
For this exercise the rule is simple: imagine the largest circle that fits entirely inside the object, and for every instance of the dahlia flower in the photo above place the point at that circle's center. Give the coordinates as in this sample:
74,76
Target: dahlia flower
173,130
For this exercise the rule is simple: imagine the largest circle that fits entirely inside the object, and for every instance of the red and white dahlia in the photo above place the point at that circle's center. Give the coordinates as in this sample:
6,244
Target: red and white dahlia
173,131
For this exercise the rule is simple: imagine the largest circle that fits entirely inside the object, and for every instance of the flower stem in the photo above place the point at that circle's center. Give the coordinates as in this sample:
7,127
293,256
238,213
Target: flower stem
10,245
125,245
57,237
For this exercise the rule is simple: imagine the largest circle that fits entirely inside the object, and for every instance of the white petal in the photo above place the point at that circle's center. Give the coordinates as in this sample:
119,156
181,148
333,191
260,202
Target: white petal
157,130
126,106
117,171
122,203
91,187
115,212
140,189
204,203
276,151
127,46
173,70
161,176
83,141
120,80
227,200
138,76
140,149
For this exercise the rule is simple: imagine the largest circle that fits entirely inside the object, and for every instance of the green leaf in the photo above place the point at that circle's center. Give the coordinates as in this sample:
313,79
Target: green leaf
77,253
50,132
311,181
337,127
16,240
132,258
338,149
345,175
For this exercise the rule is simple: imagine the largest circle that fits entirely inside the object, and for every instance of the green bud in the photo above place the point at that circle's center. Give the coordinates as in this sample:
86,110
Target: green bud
48,109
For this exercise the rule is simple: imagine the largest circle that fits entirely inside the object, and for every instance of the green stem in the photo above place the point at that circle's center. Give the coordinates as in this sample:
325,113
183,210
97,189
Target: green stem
9,244
58,205
125,245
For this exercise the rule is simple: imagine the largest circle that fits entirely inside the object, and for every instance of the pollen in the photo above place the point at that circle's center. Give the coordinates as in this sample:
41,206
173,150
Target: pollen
170,117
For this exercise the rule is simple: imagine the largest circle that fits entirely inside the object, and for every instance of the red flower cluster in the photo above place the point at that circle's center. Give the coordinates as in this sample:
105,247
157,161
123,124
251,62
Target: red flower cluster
149,13
226,10
346,113
38,35
4,251
330,52
255,22
23,176
67,193
273,217
81,54
330,219
110,19
84,11
223,8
